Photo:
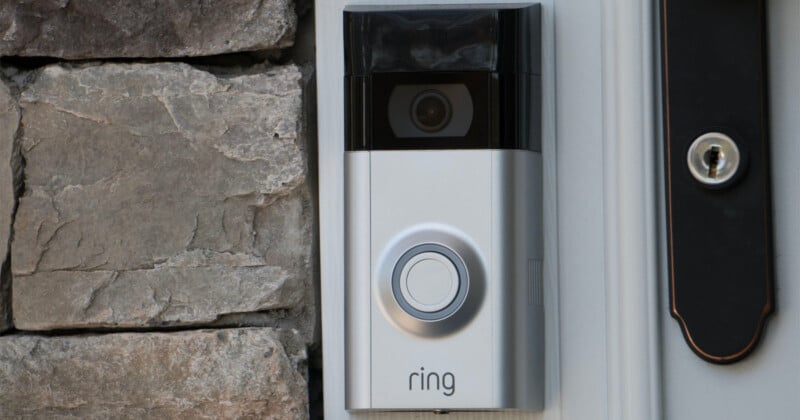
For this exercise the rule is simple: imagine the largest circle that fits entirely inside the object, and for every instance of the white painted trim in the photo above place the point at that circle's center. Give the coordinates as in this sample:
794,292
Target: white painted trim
629,146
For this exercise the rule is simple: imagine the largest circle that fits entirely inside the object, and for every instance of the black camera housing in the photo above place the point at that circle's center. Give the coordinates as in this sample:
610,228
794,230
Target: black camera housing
483,48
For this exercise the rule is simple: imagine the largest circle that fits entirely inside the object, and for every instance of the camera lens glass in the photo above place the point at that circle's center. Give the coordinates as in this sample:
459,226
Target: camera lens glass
431,111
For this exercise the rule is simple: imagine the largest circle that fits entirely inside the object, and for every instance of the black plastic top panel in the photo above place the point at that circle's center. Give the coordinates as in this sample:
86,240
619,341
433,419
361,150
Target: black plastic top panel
499,38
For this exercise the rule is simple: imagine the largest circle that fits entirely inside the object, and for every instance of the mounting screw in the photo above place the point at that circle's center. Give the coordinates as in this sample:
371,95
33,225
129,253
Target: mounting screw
713,159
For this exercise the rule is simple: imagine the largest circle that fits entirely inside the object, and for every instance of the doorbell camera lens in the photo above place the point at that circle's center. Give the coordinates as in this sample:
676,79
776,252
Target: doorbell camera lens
431,111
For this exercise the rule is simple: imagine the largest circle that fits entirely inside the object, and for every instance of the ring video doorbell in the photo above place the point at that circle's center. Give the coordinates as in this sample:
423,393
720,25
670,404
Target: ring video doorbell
443,205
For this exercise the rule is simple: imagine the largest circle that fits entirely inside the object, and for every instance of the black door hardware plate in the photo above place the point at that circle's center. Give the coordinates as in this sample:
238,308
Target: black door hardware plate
717,174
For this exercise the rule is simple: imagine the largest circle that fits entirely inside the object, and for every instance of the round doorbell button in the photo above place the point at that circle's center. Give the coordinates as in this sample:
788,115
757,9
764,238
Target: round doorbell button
429,282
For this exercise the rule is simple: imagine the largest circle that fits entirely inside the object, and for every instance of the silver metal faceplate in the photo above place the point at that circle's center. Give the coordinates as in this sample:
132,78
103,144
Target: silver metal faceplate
486,206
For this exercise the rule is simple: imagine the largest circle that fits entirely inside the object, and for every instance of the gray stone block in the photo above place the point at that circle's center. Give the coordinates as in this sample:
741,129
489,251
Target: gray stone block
205,374
160,194
9,176
79,29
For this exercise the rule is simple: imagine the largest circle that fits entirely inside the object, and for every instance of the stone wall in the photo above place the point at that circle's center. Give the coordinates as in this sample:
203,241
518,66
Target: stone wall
157,214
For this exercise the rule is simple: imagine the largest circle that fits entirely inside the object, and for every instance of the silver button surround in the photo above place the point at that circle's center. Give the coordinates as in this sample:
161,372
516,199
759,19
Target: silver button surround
460,250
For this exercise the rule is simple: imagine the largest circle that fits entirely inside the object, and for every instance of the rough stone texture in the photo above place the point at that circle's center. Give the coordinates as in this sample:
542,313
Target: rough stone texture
10,166
77,29
206,374
160,194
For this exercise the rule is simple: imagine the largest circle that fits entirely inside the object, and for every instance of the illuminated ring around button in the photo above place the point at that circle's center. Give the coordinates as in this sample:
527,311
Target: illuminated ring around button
446,306
429,282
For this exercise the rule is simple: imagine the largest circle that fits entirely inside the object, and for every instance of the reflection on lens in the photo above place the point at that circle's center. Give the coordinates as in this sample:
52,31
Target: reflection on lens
430,111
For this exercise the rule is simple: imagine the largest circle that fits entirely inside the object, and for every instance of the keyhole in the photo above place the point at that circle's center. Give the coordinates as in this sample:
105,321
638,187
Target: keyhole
712,158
